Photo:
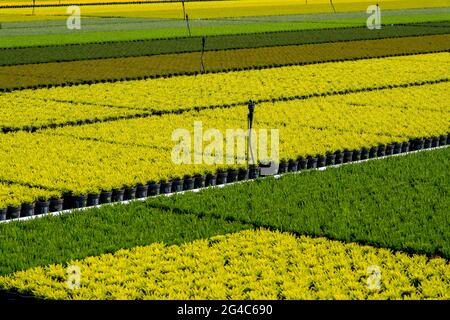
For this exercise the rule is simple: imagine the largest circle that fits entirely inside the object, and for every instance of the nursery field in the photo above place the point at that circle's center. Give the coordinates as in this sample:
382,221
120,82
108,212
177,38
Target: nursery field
89,118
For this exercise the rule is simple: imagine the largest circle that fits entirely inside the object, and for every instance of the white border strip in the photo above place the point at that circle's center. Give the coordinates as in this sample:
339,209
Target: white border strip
278,176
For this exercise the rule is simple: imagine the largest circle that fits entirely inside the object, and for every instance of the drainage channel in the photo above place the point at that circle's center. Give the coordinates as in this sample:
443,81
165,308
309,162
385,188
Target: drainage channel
278,176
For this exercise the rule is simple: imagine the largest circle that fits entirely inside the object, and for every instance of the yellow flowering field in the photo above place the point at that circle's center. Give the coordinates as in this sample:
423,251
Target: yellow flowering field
214,9
99,101
128,152
248,265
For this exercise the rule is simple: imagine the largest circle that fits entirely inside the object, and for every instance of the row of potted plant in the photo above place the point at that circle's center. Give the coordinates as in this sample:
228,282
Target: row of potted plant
154,188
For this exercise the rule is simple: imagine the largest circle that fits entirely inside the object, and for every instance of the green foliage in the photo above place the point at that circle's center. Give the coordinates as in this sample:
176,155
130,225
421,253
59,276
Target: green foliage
74,236
119,44
400,203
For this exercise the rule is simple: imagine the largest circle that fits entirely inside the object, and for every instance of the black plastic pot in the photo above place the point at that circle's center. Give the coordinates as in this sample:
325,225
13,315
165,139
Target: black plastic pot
141,191
106,197
448,139
232,176
93,199
243,174
42,207
389,150
397,148
435,142
405,147
442,140
427,143
27,210
356,155
364,154
130,193
199,182
56,205
79,202
321,161
211,180
177,185
3,214
381,152
348,156
331,158
118,195
153,189
293,166
253,172
13,212
373,152
339,157
418,144
312,163
166,187
302,164
188,184
283,167
221,178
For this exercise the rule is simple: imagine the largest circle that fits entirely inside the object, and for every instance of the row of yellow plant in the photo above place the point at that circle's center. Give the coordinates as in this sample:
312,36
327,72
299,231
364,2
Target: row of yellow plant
111,155
247,265
211,9
14,195
111,99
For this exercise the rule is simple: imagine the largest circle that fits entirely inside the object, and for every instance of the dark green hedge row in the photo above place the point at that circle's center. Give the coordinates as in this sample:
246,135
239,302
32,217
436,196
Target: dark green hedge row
15,56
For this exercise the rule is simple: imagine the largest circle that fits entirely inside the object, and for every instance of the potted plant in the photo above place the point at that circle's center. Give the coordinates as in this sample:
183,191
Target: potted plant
177,184
348,156
302,163
3,213
199,181
373,152
381,150
427,143
222,175
232,175
27,209
356,155
253,171
42,206
312,162
141,191
364,153
56,203
339,157
211,179
293,165
130,193
118,194
321,161
283,166
188,183
106,197
243,174
405,146
330,158
389,150
397,148
154,188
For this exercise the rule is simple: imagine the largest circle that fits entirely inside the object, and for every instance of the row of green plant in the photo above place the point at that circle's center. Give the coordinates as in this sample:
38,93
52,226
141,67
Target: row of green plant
400,203
57,239
55,48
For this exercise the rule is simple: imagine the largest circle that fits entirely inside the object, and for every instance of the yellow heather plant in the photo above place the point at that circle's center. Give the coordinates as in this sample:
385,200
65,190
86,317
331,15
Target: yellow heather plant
131,97
129,152
251,264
